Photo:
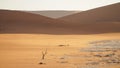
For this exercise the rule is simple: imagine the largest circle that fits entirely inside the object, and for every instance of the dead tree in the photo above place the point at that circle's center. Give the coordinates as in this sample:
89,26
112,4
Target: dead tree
44,54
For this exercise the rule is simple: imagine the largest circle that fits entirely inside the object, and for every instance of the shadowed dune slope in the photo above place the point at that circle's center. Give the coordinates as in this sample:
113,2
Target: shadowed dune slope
23,22
102,14
100,20
54,13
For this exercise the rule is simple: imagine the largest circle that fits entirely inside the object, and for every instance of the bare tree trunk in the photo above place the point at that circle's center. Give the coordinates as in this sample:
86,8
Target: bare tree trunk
44,54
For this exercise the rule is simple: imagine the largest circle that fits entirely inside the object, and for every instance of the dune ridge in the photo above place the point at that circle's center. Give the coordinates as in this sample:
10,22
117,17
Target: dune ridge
102,14
96,21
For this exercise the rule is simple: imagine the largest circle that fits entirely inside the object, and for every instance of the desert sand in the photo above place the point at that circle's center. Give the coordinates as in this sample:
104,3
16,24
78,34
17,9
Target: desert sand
25,51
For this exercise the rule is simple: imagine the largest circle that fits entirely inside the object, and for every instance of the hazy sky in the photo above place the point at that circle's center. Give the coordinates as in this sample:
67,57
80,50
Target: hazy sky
54,4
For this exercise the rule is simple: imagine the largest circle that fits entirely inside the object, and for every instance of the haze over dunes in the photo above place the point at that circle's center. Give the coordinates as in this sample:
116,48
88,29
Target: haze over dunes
54,13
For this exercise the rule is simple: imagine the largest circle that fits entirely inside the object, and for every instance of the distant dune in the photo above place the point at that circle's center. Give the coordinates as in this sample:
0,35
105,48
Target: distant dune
54,13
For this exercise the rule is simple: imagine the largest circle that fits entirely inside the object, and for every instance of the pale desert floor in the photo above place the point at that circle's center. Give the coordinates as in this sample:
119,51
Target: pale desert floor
25,51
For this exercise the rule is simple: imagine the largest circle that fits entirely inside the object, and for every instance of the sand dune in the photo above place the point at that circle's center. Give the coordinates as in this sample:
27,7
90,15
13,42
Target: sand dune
103,14
98,28
23,22
100,20
96,21
54,13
